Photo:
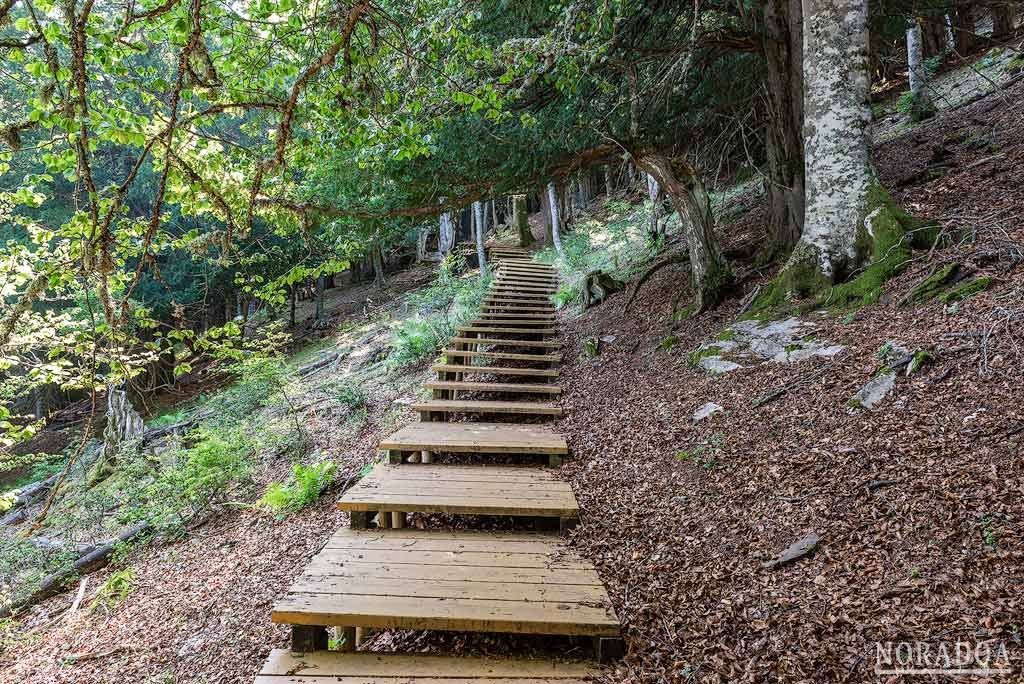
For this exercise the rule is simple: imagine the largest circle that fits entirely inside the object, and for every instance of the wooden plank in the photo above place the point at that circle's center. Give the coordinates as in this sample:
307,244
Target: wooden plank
495,370
503,330
526,316
519,322
502,387
517,307
519,287
359,572
545,344
489,438
527,408
551,358
282,665
463,615
451,589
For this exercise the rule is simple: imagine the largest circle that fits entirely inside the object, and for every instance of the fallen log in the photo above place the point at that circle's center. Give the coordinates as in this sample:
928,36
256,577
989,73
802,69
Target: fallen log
155,433
322,363
16,513
94,560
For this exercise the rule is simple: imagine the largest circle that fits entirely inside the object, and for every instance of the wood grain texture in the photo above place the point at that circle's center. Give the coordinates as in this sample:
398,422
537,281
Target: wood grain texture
486,438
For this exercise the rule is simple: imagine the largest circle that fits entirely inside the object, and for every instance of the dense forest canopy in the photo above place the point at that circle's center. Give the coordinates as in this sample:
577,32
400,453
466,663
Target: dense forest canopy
165,164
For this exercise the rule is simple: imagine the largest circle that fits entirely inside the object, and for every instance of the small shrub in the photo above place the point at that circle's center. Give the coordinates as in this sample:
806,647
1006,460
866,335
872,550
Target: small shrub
350,395
304,487
115,590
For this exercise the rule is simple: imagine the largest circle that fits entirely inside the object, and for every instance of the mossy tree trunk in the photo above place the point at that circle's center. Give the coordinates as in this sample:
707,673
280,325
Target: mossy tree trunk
782,44
850,220
684,187
520,219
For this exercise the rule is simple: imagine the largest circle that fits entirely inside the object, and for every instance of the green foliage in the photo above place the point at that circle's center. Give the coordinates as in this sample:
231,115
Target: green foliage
304,487
114,590
705,454
966,290
349,394
23,566
448,302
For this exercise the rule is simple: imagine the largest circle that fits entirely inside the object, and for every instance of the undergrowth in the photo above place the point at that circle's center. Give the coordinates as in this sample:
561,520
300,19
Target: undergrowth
441,307
303,488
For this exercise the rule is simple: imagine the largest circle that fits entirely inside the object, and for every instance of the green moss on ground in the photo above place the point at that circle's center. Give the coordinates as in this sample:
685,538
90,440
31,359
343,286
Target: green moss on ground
668,342
704,352
966,290
726,335
934,284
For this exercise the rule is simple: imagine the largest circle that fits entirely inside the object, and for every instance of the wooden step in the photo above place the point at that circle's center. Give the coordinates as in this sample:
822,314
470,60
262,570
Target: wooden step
507,287
522,299
544,344
502,387
507,271
480,438
518,308
524,408
537,316
500,321
462,490
457,353
495,370
333,667
502,330
457,581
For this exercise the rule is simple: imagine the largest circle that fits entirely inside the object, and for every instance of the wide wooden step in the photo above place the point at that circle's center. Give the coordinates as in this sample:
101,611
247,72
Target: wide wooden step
528,274
503,330
480,438
501,387
463,490
518,287
495,370
522,408
536,316
461,353
332,667
459,581
518,322
517,308
544,344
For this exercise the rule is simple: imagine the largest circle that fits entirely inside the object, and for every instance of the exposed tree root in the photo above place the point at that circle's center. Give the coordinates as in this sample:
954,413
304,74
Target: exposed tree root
682,257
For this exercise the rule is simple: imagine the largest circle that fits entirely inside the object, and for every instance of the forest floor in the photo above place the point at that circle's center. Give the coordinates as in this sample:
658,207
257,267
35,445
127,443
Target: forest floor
917,503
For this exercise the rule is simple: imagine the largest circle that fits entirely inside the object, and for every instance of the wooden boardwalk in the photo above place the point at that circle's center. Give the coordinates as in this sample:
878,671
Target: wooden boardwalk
381,573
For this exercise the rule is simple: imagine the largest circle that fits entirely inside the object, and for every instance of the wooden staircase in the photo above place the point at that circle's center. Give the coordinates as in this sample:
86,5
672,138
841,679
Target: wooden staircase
382,574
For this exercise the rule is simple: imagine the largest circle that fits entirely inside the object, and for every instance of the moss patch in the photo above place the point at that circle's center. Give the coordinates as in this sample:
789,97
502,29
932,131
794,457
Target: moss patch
934,284
704,352
726,335
966,290
668,342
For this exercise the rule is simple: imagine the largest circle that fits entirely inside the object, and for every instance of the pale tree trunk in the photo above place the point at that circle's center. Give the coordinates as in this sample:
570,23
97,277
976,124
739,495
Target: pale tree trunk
520,220
124,425
545,211
848,213
921,106
684,187
446,233
609,182
783,50
422,236
654,194
556,237
481,254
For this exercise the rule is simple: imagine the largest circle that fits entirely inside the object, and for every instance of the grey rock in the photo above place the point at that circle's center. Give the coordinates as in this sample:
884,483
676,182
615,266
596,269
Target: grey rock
706,411
716,364
876,389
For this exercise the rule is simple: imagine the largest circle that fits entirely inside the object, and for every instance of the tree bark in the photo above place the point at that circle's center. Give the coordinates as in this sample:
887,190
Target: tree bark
783,50
684,187
963,29
446,233
921,106
292,296
520,220
933,35
481,253
609,181
545,210
556,237
1003,15
377,255
319,308
654,194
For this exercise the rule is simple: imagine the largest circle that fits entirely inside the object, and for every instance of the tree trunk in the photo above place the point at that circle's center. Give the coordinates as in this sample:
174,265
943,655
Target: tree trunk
654,194
556,237
124,425
783,49
683,185
481,253
921,106
318,313
1002,19
963,29
292,296
520,220
494,214
933,35
609,181
422,235
377,255
545,210
446,233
